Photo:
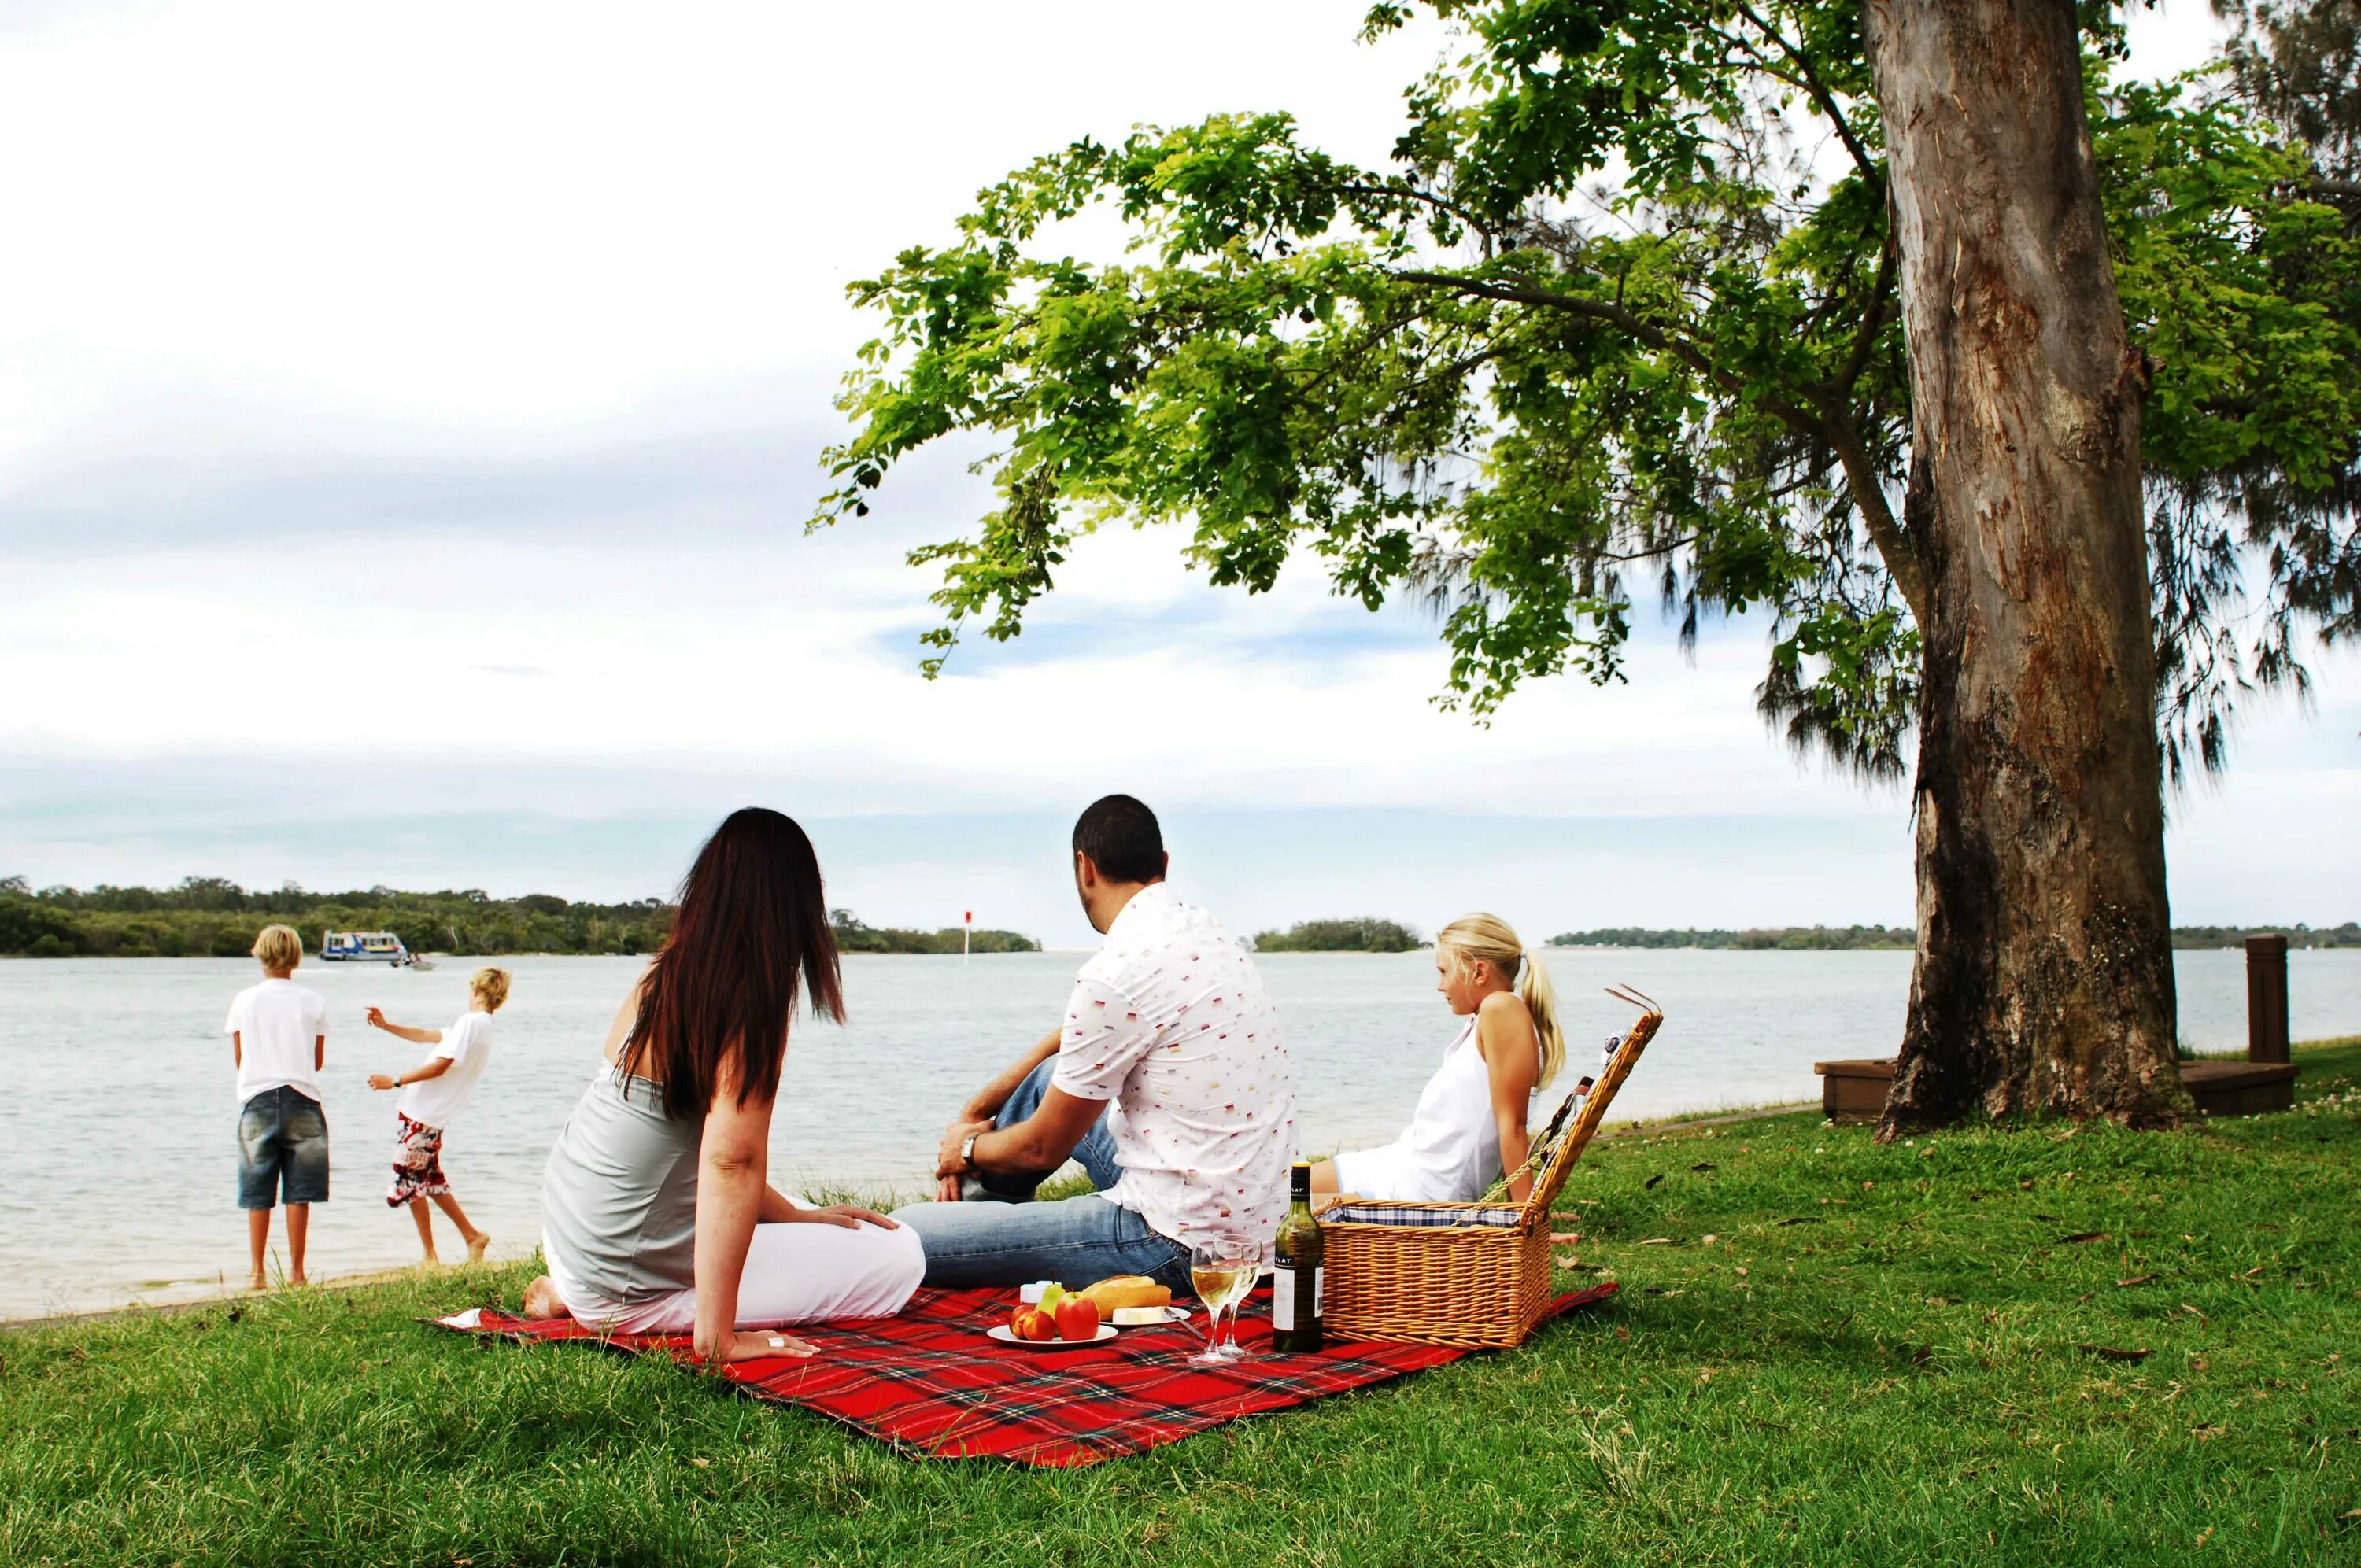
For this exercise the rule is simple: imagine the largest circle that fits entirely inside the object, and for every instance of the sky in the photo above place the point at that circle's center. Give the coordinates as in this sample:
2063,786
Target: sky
408,416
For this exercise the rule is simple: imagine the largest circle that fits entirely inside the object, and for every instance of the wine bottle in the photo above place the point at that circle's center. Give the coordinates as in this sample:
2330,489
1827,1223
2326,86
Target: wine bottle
1295,1275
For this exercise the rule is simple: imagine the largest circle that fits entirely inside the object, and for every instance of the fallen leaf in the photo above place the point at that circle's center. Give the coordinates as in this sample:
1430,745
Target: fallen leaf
2110,1352
2205,1434
2135,1280
1703,1165
1650,1181
1922,1355
1710,1238
1657,1241
1806,1219
701,1461
2062,1137
2080,1237
1925,1152
1867,1185
1741,1270
2195,1313
2198,1363
1564,1238
2252,1272
2204,1535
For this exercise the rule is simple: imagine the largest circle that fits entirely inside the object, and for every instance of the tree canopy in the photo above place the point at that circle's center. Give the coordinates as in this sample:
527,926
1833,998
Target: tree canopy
1619,320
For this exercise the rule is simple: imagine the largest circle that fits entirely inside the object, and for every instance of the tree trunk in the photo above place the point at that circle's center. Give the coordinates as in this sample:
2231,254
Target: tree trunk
2044,977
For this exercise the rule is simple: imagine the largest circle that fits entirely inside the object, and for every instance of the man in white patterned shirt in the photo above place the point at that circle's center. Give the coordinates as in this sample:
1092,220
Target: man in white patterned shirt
1168,1081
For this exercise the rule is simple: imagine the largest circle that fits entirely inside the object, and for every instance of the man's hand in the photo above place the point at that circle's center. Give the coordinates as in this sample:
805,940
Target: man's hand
377,1017
382,1079
950,1163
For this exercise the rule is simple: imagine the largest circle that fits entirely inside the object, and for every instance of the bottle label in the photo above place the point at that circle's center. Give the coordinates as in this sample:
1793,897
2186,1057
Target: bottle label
1282,1295
1319,1285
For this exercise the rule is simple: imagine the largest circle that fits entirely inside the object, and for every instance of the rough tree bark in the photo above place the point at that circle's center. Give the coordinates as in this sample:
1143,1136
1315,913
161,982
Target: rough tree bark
2043,976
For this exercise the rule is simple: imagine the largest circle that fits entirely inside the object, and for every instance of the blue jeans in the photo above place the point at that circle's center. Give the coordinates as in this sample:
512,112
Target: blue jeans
1095,1153
1073,1240
282,1150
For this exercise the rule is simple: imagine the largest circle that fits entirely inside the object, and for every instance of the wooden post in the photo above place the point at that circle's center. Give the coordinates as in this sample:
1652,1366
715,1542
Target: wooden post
2266,998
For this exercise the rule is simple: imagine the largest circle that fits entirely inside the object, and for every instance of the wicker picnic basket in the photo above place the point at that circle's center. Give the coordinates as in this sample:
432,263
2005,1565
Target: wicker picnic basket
1474,1274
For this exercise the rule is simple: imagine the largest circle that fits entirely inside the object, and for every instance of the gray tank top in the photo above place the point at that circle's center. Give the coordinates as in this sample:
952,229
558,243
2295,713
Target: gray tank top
619,1199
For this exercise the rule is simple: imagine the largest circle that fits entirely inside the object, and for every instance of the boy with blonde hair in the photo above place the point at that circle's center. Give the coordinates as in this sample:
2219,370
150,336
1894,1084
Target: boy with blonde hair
278,1040
433,1094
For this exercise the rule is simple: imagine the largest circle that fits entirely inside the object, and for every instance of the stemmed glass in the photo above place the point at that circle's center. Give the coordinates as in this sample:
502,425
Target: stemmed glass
1223,1272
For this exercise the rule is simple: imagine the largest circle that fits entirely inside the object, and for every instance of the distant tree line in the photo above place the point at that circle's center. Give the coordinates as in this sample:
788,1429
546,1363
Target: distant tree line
1788,939
211,916
1876,939
1366,935
852,936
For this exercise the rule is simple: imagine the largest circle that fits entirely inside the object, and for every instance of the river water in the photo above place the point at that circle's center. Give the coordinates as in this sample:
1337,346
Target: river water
119,1170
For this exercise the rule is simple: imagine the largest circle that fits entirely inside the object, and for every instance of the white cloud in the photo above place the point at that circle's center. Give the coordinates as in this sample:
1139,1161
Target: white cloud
465,369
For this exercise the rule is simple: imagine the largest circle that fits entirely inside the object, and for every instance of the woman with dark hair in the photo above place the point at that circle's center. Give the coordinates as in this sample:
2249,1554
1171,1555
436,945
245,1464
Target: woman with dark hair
656,1215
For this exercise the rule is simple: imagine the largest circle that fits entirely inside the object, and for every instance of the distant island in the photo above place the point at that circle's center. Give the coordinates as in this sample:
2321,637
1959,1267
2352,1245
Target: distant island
1364,935
1888,938
213,917
852,936
1786,938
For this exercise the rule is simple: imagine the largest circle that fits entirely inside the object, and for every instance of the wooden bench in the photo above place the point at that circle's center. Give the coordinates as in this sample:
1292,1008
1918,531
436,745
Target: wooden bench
1854,1089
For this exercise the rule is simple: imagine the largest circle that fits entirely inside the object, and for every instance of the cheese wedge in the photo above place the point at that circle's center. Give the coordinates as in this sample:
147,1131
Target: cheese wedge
1139,1317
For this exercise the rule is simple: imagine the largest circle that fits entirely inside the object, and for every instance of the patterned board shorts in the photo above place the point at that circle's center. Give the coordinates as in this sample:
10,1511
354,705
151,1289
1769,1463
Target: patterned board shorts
417,1162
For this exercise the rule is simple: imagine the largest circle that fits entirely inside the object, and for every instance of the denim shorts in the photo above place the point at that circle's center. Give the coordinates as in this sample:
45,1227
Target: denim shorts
282,1150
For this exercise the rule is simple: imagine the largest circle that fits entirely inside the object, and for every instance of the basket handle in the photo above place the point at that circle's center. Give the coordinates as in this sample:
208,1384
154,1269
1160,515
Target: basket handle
1594,1107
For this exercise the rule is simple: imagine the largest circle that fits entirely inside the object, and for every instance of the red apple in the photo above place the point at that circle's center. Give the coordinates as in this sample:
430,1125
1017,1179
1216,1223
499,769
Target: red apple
1078,1318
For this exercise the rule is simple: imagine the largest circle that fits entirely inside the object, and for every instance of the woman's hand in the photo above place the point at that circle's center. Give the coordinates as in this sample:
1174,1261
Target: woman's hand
852,1216
377,1019
382,1079
750,1344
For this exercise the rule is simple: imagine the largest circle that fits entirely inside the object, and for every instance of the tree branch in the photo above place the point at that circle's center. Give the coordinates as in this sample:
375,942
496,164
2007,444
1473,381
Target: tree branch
1836,430
1820,95
1868,495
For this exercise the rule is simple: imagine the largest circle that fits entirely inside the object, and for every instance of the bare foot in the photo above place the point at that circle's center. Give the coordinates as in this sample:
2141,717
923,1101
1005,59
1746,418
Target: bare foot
297,1281
541,1299
475,1246
431,1261
257,1283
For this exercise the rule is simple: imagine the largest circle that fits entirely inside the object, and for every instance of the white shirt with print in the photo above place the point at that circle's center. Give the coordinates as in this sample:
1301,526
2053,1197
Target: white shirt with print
1171,1023
435,1101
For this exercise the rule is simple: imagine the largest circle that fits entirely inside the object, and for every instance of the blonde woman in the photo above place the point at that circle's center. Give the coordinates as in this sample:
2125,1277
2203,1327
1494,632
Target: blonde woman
1470,1122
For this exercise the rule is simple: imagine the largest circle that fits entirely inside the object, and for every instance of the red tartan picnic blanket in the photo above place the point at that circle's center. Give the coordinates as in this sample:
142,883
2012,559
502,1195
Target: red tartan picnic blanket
929,1380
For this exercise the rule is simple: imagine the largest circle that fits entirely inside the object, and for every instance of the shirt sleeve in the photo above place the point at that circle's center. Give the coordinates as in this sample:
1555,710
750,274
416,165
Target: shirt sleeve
457,1037
1104,1039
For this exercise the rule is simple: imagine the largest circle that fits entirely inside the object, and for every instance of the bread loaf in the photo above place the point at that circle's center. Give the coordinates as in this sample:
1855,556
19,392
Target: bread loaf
1128,1291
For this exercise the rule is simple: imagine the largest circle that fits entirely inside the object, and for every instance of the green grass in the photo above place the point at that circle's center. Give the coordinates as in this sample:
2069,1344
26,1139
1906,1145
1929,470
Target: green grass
1840,1352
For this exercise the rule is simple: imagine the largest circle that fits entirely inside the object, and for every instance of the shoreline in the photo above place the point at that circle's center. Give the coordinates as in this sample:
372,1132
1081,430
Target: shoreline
234,1296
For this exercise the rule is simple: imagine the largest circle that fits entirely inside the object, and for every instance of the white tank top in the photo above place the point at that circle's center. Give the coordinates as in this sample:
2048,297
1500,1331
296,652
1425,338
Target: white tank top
1450,1151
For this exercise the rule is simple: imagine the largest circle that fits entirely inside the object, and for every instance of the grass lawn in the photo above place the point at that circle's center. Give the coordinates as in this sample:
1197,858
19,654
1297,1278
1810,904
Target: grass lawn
1824,1352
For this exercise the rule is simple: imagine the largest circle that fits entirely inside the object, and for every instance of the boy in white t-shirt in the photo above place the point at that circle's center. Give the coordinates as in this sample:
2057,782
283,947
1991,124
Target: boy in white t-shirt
431,1094
279,1038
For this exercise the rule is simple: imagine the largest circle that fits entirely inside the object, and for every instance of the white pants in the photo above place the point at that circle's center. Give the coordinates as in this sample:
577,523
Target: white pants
801,1272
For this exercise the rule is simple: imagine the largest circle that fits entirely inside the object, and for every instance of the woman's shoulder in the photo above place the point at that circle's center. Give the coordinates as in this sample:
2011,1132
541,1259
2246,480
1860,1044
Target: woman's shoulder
1501,1005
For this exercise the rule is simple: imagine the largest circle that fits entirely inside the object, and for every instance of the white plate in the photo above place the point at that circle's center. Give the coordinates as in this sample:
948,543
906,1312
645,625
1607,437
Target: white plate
1001,1332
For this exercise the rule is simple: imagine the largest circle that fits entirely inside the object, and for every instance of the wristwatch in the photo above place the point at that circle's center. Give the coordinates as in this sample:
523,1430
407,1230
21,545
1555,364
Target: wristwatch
967,1150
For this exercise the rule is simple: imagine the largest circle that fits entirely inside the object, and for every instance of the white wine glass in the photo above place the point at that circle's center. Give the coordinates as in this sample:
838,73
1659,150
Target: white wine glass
1249,1255
1221,1271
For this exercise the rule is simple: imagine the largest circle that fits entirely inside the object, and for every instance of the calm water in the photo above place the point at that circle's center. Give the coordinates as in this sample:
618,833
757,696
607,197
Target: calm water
119,1177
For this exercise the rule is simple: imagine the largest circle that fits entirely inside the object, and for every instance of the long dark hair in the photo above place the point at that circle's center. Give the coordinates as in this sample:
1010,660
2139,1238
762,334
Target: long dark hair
753,930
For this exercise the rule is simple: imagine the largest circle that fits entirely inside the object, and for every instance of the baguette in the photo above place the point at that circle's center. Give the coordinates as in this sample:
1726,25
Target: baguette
1128,1291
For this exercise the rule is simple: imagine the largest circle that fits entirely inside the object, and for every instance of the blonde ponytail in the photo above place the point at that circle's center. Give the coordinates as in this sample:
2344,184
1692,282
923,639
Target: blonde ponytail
1491,938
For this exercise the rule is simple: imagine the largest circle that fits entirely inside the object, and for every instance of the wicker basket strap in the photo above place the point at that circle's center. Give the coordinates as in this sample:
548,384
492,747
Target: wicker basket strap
1594,1107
